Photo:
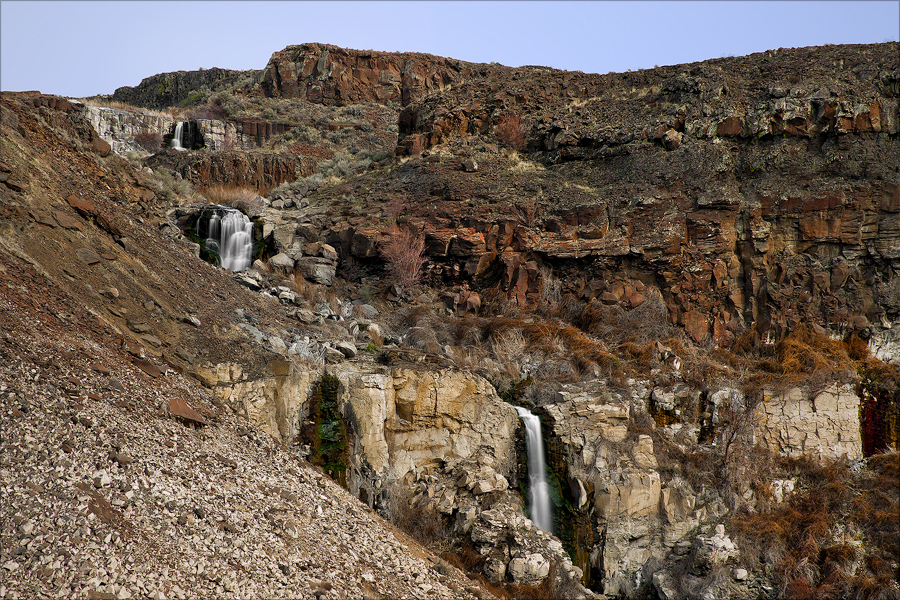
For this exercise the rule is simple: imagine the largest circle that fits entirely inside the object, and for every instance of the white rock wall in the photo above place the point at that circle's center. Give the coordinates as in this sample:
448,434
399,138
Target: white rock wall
825,425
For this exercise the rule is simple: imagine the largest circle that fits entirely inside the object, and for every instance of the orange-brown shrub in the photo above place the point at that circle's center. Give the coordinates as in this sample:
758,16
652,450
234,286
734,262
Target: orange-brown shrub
510,130
811,561
404,255
151,141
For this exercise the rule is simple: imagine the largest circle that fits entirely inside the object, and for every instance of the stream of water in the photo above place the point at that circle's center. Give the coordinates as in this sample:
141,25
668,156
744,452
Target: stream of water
539,490
230,235
176,139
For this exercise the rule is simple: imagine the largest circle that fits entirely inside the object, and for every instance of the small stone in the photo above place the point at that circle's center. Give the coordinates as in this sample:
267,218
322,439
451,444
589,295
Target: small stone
152,340
123,459
67,221
139,326
740,574
88,256
346,348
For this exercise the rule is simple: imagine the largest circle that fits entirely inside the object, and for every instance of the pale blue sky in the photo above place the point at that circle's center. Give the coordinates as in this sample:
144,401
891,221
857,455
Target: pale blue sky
83,48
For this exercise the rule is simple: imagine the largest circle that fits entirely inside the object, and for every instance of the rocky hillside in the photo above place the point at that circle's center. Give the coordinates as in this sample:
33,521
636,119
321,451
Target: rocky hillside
691,273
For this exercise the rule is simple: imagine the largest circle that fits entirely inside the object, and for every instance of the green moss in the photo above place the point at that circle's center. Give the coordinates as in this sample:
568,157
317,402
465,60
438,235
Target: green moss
329,443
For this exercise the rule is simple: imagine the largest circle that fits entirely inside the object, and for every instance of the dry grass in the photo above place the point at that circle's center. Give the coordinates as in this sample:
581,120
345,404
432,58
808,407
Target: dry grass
836,537
423,523
116,105
243,198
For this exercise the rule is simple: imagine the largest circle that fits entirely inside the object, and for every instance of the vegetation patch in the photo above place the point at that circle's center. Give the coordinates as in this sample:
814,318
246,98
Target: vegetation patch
838,537
329,448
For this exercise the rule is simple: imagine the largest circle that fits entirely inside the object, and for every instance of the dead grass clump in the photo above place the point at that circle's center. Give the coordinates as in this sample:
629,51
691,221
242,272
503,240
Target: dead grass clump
424,523
527,212
243,198
801,358
469,332
151,141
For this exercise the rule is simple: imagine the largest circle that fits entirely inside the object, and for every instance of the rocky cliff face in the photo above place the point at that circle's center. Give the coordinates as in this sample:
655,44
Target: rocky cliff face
174,89
750,196
324,74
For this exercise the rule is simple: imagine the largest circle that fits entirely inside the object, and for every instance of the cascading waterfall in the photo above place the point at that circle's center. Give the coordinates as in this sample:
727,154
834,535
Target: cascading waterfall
539,489
230,235
176,139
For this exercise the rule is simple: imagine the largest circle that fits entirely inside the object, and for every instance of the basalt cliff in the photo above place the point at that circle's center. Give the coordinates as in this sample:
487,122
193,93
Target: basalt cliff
691,274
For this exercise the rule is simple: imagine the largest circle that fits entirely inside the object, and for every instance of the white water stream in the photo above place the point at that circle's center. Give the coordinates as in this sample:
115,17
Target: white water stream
176,139
539,489
231,237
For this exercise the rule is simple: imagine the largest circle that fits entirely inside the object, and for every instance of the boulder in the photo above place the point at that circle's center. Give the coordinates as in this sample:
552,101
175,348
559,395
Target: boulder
281,264
346,348
317,270
529,570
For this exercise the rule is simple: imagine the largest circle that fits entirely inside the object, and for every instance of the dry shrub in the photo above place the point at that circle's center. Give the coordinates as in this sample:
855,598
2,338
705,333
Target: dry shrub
404,255
808,539
151,141
510,131
527,212
423,523
470,332
212,110
243,198
395,207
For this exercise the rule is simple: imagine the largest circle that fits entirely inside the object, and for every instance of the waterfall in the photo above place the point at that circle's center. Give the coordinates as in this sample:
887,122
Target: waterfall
539,489
229,233
176,139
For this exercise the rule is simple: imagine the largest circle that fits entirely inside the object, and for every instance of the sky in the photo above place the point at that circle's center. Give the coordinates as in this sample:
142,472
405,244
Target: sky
79,49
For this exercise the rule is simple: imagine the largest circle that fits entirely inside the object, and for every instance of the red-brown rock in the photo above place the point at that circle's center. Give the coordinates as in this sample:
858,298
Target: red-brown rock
181,409
696,325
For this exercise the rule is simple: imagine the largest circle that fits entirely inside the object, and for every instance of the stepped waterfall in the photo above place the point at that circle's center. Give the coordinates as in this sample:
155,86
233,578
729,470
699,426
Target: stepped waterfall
228,233
539,489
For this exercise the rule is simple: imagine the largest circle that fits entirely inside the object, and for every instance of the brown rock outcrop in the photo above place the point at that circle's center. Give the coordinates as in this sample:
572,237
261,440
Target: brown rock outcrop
329,75
260,170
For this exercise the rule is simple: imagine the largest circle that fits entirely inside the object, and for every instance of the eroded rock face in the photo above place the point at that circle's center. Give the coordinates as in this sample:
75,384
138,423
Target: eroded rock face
262,171
824,425
276,403
406,419
326,74
777,205
621,499
170,89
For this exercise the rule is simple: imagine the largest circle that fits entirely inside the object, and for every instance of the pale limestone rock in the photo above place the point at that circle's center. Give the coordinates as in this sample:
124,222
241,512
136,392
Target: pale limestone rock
529,570
643,453
410,418
826,425
638,496
782,488
276,403
676,505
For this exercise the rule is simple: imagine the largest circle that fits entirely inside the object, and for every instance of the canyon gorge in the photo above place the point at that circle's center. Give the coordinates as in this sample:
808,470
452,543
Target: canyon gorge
292,353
